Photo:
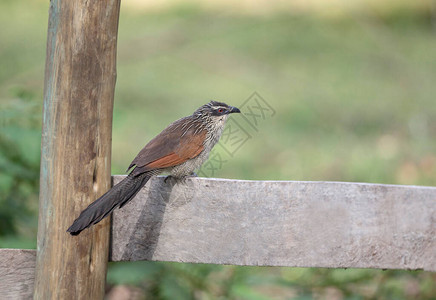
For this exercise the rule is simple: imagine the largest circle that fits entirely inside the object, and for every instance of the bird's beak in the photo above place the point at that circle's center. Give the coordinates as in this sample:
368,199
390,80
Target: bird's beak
234,110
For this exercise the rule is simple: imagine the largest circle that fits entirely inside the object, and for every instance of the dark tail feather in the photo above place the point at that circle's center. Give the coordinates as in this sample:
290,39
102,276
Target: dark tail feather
119,195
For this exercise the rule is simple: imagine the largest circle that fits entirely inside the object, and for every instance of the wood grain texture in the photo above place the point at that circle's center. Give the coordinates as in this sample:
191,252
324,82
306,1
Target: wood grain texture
17,273
260,223
279,223
79,87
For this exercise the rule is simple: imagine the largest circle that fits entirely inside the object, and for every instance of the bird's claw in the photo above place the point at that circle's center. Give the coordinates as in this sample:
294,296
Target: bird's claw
169,177
182,179
174,180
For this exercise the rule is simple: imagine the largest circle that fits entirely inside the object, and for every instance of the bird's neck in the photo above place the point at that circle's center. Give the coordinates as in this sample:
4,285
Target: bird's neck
215,127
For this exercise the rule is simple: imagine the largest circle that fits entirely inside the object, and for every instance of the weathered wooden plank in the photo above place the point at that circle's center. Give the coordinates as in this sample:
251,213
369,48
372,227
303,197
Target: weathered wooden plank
279,223
79,88
17,273
263,223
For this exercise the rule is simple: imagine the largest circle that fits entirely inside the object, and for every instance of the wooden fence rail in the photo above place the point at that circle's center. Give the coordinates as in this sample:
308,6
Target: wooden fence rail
264,223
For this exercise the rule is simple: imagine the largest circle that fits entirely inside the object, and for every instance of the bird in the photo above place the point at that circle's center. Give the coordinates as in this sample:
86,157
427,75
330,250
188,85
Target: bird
180,149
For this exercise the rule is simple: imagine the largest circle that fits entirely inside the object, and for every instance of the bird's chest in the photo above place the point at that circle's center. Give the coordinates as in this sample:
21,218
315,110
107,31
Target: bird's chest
188,167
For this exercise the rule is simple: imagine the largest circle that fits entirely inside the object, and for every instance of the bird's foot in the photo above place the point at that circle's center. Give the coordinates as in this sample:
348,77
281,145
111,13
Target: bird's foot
174,180
182,179
169,178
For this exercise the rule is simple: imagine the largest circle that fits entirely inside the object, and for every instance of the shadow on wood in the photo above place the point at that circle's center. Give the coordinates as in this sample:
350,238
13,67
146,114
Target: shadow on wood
144,234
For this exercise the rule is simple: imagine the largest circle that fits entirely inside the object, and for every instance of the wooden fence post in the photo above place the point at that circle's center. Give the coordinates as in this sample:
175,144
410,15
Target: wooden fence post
79,87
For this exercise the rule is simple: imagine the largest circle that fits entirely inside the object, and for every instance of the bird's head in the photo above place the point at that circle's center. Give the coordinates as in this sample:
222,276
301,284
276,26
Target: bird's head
217,111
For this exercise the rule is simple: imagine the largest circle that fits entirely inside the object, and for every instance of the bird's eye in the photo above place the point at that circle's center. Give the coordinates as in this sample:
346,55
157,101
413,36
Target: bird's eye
220,110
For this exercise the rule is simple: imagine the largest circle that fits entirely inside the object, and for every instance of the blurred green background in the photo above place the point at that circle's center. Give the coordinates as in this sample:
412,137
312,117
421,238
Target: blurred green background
353,86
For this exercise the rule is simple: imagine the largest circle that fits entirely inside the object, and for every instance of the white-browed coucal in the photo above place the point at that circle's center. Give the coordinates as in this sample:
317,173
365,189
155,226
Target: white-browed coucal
179,149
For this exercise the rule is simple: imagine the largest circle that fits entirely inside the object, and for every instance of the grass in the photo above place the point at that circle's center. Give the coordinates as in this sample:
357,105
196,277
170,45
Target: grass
353,100
343,89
